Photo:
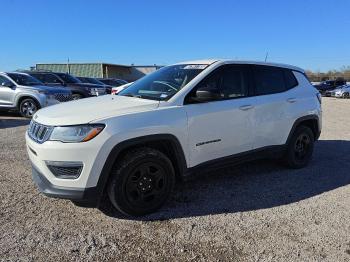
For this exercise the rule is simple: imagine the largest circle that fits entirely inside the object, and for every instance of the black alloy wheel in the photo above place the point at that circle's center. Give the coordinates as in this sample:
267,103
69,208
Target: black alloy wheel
300,147
141,181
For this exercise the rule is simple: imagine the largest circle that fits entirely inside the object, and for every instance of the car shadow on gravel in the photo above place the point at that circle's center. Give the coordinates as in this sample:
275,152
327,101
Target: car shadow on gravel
257,185
10,120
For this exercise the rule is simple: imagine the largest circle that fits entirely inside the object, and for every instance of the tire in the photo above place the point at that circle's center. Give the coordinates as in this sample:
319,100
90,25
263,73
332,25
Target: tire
141,182
28,107
77,96
300,148
345,95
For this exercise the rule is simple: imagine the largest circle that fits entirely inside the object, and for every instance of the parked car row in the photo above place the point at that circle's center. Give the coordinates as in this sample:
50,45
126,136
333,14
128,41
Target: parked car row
27,94
340,92
327,86
28,91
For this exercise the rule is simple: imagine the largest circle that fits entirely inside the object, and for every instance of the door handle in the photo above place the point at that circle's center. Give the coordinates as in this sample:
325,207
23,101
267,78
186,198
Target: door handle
291,100
246,107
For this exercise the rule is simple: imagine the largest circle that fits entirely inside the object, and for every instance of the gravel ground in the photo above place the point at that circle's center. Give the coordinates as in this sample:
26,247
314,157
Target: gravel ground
254,212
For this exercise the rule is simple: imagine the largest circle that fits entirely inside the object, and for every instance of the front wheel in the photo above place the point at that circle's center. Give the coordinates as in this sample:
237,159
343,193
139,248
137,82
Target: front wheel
77,96
300,148
346,95
141,182
28,107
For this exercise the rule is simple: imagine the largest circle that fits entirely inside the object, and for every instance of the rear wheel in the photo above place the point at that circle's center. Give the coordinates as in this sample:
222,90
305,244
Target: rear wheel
141,182
28,107
300,148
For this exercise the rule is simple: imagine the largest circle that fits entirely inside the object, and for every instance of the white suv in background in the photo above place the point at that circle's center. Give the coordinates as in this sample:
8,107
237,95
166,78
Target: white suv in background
170,124
342,91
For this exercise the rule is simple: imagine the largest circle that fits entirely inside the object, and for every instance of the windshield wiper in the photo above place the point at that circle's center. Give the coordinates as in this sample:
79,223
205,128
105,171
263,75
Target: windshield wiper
140,96
131,95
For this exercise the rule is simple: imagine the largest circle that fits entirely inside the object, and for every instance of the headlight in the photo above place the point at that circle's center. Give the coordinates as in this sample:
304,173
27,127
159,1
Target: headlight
71,134
44,92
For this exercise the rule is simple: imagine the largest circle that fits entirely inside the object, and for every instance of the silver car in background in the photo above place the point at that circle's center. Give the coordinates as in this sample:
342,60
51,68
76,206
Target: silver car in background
22,92
341,92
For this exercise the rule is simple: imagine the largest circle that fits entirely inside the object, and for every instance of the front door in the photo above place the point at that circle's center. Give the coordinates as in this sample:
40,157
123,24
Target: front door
222,126
7,92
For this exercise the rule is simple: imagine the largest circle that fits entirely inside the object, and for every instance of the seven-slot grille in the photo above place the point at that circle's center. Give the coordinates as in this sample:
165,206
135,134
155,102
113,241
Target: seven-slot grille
38,132
63,97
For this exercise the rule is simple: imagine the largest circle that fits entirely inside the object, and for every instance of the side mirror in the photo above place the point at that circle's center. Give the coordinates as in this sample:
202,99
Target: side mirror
206,95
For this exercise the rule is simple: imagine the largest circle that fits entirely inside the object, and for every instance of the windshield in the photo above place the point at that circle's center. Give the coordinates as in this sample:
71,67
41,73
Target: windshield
163,83
24,80
69,79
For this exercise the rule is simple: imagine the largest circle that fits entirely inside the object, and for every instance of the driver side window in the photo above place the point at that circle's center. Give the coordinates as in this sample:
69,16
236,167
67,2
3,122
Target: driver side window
226,82
5,82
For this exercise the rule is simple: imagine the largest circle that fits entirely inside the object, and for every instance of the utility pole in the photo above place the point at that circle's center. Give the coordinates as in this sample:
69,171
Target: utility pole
68,66
267,54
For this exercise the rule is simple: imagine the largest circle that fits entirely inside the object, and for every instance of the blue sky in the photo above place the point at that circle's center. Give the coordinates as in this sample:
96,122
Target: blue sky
310,34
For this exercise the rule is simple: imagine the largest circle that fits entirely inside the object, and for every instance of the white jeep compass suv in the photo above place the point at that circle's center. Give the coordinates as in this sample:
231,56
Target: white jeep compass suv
170,124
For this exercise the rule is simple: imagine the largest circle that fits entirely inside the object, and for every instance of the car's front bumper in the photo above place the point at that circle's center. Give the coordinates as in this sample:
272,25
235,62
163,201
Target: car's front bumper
87,196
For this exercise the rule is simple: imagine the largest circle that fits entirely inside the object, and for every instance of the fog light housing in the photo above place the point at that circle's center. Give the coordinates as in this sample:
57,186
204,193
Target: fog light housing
65,170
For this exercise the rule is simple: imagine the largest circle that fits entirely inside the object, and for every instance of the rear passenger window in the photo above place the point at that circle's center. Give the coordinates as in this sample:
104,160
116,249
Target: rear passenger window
290,79
268,80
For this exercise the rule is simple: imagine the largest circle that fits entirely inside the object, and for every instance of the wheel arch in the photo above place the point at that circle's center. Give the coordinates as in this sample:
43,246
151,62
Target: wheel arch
166,143
311,121
21,98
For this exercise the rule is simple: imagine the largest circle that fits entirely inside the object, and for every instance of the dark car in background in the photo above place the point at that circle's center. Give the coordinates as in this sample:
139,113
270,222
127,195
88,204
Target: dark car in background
79,89
91,80
114,82
329,85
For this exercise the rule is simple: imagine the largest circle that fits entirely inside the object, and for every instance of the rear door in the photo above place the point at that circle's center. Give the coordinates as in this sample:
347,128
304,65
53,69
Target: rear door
276,99
222,127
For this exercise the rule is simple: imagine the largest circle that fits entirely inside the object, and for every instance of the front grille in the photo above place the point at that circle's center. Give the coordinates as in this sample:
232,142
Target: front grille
63,97
99,91
38,132
65,170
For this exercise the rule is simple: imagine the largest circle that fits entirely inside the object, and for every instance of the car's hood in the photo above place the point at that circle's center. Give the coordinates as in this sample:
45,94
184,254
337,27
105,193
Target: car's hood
48,89
89,109
87,85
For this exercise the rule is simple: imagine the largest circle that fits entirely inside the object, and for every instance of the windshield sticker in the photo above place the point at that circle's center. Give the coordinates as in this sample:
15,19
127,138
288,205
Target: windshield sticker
201,67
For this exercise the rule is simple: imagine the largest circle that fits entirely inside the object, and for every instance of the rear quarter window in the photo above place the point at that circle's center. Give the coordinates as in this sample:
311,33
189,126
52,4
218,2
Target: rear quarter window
271,80
289,78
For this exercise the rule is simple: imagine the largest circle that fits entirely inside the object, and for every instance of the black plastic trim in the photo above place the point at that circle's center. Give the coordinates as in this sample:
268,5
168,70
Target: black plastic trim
299,121
86,196
181,166
255,154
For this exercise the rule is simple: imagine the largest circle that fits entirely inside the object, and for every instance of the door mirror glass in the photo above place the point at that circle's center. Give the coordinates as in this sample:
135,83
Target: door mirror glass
204,95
